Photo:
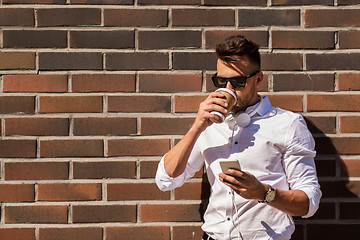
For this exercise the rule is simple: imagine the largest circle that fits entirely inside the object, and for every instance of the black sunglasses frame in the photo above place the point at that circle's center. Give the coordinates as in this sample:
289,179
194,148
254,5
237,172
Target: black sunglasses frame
236,82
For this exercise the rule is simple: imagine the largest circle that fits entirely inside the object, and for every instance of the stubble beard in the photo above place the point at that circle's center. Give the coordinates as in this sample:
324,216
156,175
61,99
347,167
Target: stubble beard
241,105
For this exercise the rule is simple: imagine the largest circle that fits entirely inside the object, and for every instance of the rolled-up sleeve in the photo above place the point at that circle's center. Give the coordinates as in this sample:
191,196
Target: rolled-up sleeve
167,183
299,163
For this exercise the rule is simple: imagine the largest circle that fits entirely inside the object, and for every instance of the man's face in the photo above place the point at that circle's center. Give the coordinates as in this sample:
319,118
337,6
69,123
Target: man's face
246,96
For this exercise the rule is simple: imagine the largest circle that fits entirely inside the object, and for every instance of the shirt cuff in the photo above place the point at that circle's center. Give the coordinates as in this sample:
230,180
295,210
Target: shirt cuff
164,181
314,195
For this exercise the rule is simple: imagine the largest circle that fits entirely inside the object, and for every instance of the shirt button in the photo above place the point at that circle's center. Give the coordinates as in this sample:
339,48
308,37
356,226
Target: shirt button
236,142
228,219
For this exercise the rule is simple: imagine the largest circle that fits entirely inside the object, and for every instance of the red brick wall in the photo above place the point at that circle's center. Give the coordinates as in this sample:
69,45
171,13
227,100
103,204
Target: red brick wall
94,92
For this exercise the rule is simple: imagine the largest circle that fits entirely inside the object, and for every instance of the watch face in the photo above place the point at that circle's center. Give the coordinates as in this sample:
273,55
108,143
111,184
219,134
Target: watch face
270,196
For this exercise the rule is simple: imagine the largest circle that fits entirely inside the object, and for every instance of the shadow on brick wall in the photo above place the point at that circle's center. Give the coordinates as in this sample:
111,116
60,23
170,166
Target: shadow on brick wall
336,217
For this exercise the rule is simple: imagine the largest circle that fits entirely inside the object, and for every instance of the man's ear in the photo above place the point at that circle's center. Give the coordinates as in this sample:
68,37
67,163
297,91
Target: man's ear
259,79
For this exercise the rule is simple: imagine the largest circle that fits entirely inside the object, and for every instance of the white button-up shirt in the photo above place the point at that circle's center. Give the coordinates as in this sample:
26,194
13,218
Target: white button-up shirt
277,148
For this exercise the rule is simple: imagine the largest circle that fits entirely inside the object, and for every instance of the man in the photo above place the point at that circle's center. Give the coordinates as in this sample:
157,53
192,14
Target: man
275,151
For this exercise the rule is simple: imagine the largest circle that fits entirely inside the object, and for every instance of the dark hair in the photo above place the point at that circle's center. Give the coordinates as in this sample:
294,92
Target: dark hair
236,47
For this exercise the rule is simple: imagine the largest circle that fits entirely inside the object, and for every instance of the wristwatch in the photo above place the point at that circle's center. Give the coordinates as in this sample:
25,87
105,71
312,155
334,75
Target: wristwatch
269,195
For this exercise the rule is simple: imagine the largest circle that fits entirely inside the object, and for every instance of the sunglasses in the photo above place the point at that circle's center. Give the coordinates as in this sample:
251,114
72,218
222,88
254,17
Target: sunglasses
236,82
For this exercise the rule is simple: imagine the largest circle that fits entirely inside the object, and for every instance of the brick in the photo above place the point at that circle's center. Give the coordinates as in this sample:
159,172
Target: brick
347,211
337,145
332,231
169,213
37,126
332,17
35,83
188,103
348,82
135,191
136,17
104,126
70,104
340,189
83,233
10,148
103,83
34,39
37,171
17,17
337,61
17,233
103,2
326,168
321,124
148,169
203,17
137,61
303,39
138,147
34,1
216,36
189,191
16,193
17,104
68,17
281,61
169,2
325,211
274,17
235,3
36,214
301,2
104,213
303,82
144,233
102,39
101,170
288,102
17,60
170,83
70,61
166,126
187,232
71,148
194,61
324,102
69,191
349,39
169,39
348,2
350,124
350,168
156,104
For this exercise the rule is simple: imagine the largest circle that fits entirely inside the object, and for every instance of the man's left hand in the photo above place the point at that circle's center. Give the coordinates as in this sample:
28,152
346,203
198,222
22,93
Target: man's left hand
245,184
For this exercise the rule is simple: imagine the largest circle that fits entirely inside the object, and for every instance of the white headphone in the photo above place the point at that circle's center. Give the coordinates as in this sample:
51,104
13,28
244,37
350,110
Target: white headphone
243,119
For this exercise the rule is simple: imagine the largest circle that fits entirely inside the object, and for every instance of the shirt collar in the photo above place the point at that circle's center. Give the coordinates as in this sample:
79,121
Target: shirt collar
264,108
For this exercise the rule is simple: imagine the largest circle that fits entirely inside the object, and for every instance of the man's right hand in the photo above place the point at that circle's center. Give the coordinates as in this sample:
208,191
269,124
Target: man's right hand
212,103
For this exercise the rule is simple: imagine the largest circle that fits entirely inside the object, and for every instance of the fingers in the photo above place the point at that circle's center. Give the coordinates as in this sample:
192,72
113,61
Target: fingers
214,103
239,174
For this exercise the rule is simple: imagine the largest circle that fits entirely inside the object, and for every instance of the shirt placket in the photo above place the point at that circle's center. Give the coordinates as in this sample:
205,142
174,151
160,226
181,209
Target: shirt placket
230,198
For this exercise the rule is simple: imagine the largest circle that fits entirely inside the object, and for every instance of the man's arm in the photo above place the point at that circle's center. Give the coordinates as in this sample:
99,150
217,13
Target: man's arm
293,202
176,159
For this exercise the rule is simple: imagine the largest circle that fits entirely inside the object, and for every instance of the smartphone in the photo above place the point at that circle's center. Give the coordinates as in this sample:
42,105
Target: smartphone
226,165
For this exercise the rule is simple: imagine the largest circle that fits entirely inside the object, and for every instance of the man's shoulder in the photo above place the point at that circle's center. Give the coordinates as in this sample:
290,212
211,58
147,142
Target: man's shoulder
289,115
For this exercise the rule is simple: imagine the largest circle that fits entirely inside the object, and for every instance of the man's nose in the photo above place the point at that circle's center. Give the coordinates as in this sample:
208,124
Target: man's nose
229,86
